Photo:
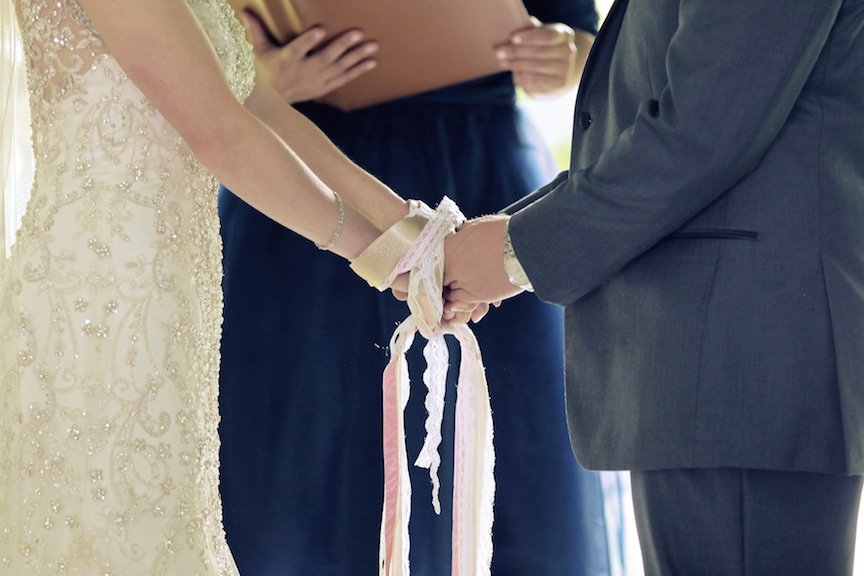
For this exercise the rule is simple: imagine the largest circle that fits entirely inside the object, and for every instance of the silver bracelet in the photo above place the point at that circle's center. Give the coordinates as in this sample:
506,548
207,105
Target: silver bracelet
339,226
512,267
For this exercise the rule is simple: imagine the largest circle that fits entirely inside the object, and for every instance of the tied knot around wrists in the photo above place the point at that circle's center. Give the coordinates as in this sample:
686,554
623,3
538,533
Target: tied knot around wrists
425,262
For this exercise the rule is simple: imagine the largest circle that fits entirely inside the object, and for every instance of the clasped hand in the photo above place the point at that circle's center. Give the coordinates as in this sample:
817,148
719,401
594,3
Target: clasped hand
474,276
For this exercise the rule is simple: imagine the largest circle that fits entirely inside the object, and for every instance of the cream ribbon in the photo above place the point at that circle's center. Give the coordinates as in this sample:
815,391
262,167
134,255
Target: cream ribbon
474,456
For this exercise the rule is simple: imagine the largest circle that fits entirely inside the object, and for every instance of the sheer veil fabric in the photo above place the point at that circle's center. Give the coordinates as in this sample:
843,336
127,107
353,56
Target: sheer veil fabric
16,152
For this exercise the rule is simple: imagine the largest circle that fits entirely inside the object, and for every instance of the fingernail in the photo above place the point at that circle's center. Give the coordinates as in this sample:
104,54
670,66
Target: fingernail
501,54
517,40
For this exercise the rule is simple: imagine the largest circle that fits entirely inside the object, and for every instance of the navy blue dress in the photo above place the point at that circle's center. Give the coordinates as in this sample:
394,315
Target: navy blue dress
305,343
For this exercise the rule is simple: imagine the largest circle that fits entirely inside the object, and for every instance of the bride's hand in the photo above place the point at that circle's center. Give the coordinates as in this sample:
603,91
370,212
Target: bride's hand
454,312
461,313
399,287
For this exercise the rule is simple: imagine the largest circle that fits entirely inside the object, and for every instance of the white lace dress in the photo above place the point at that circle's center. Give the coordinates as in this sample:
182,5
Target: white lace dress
110,312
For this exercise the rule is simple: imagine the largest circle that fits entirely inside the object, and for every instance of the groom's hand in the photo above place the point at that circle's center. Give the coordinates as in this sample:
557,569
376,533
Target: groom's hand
474,262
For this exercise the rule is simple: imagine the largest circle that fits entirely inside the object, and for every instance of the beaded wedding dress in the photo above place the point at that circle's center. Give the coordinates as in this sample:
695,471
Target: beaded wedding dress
110,312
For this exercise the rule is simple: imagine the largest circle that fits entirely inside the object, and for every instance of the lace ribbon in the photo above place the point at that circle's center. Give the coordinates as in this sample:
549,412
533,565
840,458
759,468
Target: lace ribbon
474,456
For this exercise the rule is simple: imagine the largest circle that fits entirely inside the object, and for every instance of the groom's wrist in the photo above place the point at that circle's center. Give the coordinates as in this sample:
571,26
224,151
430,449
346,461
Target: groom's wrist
512,267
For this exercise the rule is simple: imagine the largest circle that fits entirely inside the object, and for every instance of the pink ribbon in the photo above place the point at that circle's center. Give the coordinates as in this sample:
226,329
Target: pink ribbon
474,456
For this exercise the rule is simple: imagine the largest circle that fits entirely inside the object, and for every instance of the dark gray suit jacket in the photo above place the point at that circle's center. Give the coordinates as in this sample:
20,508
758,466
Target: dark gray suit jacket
708,242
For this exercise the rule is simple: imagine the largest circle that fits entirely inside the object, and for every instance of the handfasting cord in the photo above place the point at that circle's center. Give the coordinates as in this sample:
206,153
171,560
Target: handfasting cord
421,245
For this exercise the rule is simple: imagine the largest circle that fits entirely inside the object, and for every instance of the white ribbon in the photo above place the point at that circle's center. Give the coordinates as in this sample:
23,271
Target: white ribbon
474,456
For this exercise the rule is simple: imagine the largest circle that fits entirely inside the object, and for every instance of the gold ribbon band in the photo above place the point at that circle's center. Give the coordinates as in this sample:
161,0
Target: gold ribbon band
376,263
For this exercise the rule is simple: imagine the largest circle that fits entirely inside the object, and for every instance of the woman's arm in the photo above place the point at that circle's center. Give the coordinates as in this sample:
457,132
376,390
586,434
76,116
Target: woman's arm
180,74
357,187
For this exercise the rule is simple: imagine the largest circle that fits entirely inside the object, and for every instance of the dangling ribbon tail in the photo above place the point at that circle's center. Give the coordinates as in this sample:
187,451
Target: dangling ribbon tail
474,460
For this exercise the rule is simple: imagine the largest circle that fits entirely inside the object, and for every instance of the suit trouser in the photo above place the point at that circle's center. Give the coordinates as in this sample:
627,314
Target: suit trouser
727,521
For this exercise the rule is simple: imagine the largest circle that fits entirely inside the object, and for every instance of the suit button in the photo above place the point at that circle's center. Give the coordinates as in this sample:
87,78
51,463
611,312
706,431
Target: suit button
584,120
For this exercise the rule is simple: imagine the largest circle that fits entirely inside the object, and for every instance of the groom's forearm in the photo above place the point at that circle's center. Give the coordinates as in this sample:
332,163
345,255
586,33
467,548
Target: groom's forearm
536,195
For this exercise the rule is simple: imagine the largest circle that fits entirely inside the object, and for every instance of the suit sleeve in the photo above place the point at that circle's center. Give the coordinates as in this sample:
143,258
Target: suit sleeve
735,70
536,195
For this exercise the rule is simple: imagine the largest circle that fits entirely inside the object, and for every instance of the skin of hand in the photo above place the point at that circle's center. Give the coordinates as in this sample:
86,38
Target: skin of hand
304,69
461,312
454,312
546,59
474,263
399,287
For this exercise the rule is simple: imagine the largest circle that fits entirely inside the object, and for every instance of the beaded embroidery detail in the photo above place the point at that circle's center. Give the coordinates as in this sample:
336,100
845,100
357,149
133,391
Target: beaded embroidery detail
110,315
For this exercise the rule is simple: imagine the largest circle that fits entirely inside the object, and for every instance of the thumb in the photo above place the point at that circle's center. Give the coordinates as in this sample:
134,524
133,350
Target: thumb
259,36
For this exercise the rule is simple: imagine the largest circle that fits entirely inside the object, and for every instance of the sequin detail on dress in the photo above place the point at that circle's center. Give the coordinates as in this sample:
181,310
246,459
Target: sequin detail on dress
110,315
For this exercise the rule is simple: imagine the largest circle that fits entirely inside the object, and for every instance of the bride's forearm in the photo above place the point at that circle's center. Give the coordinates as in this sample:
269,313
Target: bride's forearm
369,197
182,77
262,170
